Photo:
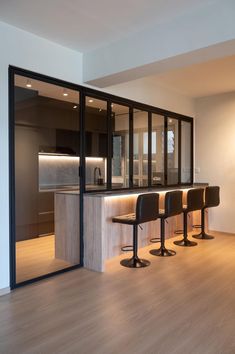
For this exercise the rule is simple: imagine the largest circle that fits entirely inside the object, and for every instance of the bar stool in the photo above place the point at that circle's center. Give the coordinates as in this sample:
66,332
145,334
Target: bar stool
173,206
147,209
194,202
212,199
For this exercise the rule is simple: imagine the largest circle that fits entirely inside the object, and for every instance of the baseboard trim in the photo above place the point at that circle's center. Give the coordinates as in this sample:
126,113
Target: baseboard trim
5,291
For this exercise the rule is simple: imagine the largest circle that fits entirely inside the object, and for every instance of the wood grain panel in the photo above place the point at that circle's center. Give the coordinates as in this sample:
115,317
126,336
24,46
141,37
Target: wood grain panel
67,232
36,257
94,245
103,239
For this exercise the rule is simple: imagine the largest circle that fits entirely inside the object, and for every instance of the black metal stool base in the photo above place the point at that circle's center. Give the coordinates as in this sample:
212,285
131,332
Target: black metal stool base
185,243
163,252
203,236
134,262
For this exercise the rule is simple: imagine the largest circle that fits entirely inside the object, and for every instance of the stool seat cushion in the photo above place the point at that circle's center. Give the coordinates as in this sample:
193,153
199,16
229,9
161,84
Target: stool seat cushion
129,219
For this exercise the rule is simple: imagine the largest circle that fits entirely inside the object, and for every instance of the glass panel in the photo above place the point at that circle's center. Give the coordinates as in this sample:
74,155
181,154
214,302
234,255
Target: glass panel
157,149
140,148
172,151
120,141
46,167
96,143
185,152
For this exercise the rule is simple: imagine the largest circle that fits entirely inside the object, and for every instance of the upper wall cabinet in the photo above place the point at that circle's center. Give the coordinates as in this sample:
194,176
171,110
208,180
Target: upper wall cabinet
56,120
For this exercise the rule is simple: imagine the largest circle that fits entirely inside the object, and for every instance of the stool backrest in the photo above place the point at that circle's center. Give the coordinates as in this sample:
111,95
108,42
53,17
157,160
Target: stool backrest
173,203
212,196
147,207
195,199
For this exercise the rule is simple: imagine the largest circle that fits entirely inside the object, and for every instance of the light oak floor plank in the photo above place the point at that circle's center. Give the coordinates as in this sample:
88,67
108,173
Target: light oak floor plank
36,257
181,305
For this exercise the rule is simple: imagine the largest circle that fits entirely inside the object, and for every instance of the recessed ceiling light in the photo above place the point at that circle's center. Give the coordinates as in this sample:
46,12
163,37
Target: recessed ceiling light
75,107
112,105
100,109
91,101
170,120
28,84
65,93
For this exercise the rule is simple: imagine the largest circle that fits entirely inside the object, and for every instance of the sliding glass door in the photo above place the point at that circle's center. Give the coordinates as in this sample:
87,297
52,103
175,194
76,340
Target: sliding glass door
46,181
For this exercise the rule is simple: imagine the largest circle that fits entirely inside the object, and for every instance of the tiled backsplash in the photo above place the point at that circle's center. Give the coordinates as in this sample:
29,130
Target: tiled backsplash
59,170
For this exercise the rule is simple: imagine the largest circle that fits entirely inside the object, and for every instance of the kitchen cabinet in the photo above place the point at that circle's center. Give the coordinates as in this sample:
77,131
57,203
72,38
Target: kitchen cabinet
41,124
45,213
96,136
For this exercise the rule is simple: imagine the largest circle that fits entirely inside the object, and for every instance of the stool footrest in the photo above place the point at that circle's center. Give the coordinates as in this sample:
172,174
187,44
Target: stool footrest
155,239
127,248
197,226
178,232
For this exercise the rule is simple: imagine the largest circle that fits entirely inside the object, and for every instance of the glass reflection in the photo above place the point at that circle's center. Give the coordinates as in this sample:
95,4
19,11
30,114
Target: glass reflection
157,149
140,148
96,143
185,152
172,151
120,146
46,165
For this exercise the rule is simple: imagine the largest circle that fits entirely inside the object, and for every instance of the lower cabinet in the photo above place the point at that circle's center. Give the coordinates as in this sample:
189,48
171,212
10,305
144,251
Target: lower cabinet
45,213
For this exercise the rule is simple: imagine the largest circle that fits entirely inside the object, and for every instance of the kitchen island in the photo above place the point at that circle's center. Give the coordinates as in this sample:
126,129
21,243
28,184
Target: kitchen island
67,226
103,239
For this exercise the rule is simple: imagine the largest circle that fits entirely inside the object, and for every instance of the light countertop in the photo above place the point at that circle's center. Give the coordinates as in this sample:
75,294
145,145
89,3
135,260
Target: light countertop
103,194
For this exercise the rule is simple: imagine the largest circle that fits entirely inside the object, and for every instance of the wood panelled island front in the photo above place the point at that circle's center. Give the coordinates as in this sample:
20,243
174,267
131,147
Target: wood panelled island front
103,239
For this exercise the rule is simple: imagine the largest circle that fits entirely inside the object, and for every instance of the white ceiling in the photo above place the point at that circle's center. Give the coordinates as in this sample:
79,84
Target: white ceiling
209,78
85,25
48,90
54,91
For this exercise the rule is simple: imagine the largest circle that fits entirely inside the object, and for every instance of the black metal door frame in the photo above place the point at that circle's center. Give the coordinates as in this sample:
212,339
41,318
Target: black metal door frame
12,72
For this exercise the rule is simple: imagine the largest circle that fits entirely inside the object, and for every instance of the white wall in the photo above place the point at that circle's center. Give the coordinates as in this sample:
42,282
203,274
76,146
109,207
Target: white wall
199,35
149,92
27,51
22,49
215,154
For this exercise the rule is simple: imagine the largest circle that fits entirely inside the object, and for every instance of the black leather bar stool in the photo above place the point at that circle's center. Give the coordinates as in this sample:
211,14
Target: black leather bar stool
147,209
194,202
173,206
212,199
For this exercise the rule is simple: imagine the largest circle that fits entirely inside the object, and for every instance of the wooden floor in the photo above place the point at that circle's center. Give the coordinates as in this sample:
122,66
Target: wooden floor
36,257
179,305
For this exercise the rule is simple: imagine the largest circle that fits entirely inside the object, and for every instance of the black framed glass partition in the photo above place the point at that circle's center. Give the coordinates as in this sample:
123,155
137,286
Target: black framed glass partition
66,139
172,151
96,143
186,152
47,157
120,121
157,158
140,148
